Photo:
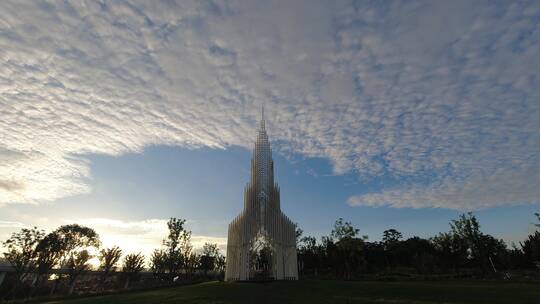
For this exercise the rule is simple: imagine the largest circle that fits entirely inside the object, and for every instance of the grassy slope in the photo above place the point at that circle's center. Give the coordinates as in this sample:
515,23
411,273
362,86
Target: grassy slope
331,292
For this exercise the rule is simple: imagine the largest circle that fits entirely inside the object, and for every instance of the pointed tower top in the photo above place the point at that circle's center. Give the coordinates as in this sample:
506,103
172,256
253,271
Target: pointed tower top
262,118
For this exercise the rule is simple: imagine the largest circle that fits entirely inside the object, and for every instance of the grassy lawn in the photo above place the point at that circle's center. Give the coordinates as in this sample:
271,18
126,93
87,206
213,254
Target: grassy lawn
331,292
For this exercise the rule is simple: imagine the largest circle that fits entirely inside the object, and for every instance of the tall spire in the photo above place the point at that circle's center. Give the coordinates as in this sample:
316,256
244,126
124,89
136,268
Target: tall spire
262,118
261,222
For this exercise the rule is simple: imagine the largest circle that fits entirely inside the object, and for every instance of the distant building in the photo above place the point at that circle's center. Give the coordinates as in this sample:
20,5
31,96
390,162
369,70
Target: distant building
261,240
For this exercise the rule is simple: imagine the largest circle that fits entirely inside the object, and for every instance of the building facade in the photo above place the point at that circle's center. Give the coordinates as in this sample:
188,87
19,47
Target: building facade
261,239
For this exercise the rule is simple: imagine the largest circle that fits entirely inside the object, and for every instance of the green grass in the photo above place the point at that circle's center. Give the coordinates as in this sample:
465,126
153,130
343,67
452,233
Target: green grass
330,292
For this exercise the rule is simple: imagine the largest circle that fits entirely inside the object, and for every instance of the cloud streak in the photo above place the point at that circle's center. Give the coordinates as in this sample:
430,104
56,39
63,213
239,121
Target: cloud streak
440,96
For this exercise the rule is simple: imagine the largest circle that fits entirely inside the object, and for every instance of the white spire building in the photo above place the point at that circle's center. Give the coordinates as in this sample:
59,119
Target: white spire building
261,228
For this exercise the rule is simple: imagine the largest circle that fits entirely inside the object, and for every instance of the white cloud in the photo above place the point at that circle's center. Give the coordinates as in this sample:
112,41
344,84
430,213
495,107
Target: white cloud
475,192
10,224
444,93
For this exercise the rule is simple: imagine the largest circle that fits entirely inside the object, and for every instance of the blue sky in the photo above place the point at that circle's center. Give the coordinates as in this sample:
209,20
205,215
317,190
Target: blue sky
398,114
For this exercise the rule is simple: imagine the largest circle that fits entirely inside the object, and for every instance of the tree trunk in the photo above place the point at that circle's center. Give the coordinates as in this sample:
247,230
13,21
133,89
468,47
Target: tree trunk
101,283
126,285
15,288
53,289
37,284
2,277
72,287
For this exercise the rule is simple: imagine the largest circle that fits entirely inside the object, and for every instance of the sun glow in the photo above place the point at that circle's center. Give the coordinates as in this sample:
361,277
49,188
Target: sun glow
138,236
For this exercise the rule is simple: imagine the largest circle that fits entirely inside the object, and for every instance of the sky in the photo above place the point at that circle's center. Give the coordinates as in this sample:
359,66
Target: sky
391,114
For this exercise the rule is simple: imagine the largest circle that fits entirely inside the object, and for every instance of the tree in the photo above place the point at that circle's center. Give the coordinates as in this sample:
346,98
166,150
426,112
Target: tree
375,256
310,255
343,230
176,230
531,249
73,239
207,263
108,259
77,264
466,245
21,253
481,248
416,252
307,243
175,245
467,228
158,263
49,253
220,264
391,237
298,233
390,240
345,249
189,260
451,249
132,266
210,258
260,257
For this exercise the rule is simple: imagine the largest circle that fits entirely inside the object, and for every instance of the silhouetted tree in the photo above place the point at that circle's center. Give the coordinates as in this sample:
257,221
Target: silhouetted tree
375,256
391,237
133,264
21,253
343,230
210,258
298,233
531,250
220,264
108,260
159,263
390,240
344,249
260,258
417,253
190,260
310,255
76,265
74,239
451,249
466,245
175,245
49,254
